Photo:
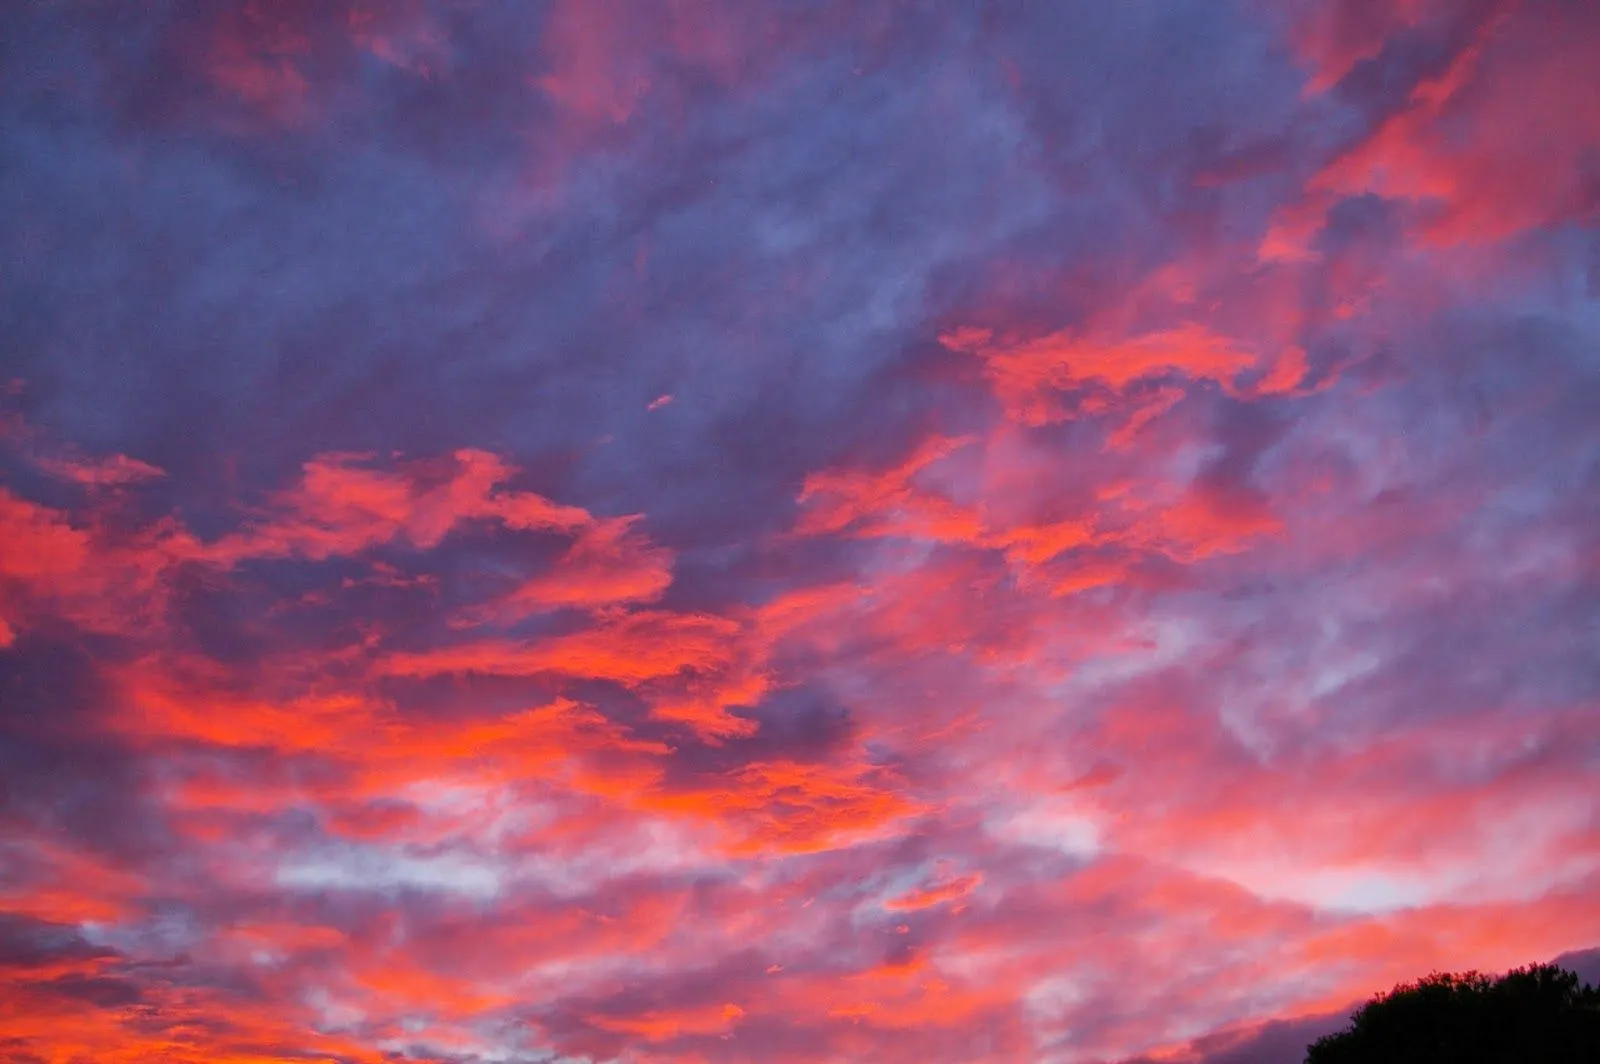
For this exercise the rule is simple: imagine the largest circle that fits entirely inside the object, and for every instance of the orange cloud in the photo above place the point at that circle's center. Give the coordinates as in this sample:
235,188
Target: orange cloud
785,807
661,1025
630,648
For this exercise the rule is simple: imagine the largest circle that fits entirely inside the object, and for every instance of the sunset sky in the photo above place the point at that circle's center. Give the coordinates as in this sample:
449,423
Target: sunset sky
709,531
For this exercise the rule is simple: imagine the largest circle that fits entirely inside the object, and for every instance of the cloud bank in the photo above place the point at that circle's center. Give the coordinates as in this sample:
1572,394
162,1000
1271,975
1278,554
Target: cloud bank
582,531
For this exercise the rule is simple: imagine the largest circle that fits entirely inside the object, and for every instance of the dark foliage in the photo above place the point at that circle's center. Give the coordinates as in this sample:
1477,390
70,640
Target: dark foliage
1541,1014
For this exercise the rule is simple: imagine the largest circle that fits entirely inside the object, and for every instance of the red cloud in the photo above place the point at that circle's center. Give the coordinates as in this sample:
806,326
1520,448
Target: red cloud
1102,540
1499,143
1028,375
1332,36
784,807
609,563
343,505
1047,689
661,1026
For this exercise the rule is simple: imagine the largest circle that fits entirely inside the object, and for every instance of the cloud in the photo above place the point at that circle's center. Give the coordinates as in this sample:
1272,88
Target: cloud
936,894
608,563
1025,374
1058,533
116,470
1444,152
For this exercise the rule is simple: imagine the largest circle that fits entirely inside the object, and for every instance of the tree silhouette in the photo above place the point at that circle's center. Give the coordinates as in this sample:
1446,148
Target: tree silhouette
1541,1014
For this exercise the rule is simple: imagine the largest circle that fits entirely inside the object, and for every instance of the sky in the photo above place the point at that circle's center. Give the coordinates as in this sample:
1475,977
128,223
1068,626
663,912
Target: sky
853,530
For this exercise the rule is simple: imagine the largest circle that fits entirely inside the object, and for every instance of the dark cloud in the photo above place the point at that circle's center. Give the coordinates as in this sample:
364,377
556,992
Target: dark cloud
28,943
62,772
1585,962
1275,1042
